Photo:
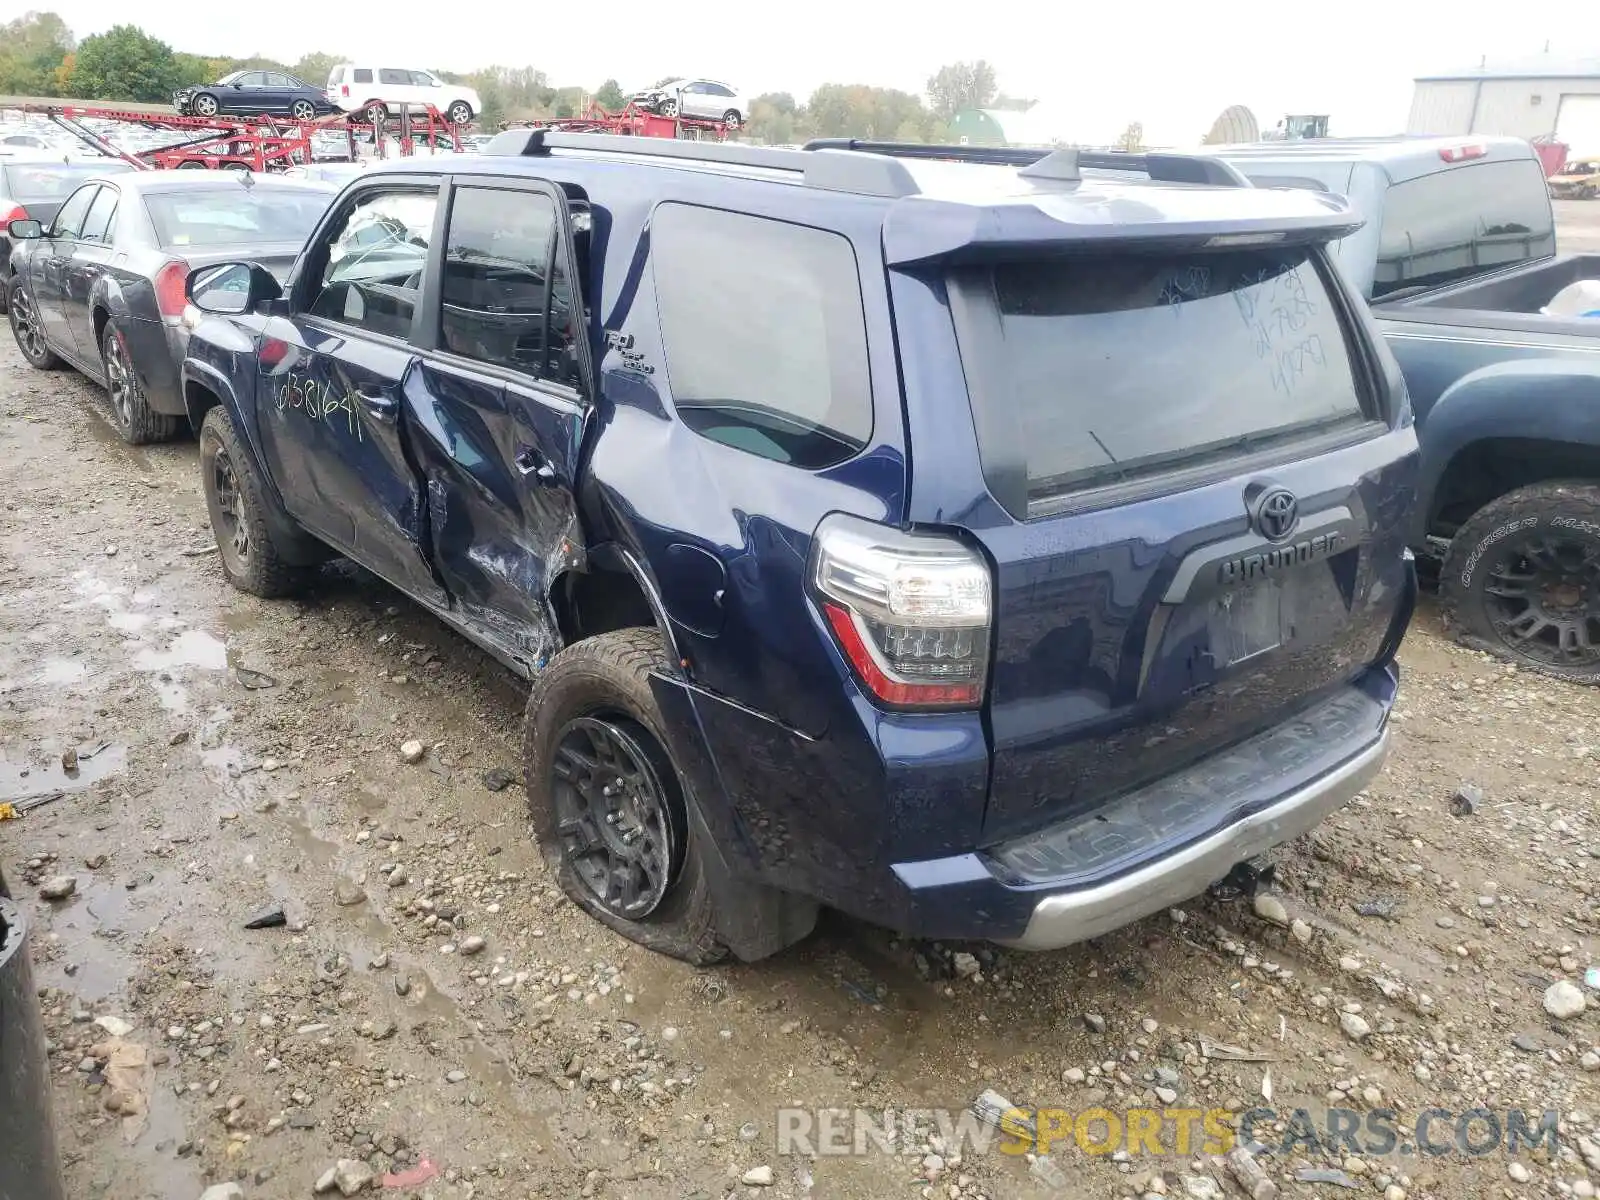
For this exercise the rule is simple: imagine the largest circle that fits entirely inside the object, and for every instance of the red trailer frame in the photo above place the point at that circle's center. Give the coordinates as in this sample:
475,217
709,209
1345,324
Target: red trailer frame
257,144
632,121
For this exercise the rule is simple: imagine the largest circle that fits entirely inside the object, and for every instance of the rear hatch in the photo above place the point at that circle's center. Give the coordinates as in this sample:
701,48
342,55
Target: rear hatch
1204,526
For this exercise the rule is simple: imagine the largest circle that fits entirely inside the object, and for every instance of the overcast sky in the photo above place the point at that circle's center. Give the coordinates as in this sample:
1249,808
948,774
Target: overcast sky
1172,66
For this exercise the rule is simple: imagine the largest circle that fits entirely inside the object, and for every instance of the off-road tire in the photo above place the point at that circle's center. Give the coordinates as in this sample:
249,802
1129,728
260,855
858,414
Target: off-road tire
45,359
609,675
141,424
262,571
1570,508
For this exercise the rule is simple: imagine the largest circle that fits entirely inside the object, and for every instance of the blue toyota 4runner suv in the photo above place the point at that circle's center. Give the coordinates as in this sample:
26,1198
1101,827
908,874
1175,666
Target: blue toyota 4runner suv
988,544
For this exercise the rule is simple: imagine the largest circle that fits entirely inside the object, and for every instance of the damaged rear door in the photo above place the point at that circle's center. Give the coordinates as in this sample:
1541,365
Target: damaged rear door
496,408
333,370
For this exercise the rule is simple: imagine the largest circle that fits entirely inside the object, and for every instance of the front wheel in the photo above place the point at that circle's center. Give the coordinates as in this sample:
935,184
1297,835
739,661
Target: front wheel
28,330
668,108
1522,579
608,807
732,119
460,113
302,110
250,558
204,105
135,420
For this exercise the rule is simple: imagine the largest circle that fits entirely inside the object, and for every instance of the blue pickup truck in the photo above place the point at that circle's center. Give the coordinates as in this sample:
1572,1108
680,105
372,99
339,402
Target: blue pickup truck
1458,257
986,544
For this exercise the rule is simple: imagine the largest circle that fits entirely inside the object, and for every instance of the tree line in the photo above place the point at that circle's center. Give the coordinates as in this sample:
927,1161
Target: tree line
39,56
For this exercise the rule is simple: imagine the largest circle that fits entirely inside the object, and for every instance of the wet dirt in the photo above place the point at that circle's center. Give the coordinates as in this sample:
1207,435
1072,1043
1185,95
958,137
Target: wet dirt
561,1061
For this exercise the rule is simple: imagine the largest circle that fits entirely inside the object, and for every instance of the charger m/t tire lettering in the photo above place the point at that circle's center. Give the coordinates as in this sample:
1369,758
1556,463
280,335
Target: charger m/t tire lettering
1522,579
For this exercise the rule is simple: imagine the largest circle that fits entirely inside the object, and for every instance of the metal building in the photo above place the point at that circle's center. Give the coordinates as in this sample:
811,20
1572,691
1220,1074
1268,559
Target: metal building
1539,97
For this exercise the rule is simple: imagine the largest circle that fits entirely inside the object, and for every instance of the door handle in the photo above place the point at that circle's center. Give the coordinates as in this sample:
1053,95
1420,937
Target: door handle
530,462
378,399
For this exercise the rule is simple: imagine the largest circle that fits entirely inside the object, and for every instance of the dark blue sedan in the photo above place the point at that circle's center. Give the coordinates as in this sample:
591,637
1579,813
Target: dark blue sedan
253,94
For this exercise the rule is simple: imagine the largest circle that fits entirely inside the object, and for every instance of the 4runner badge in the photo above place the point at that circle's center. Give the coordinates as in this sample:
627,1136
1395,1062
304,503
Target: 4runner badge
632,360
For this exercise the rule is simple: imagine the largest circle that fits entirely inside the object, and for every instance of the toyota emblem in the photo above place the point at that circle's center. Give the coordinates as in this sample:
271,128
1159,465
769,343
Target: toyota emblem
1275,513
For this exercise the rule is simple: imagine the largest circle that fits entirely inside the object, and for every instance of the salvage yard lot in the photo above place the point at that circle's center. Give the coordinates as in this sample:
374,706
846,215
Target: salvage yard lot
522,1050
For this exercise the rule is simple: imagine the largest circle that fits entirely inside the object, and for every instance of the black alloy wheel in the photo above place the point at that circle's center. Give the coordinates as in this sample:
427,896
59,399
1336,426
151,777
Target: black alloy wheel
119,380
25,327
1543,600
620,822
233,528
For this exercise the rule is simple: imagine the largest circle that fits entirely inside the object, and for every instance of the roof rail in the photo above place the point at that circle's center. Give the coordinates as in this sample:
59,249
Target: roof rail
867,175
1161,166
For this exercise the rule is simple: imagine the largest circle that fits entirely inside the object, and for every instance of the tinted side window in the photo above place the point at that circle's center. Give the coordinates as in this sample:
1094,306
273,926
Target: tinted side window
371,267
278,80
716,89
70,219
1454,223
765,335
501,303
421,79
97,225
253,79
362,75
392,75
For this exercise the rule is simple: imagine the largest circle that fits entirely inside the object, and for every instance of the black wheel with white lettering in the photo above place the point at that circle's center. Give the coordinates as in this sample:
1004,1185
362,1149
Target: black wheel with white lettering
609,808
1522,579
250,557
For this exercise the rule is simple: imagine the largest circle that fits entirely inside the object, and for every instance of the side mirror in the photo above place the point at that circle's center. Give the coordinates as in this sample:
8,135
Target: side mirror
231,289
24,231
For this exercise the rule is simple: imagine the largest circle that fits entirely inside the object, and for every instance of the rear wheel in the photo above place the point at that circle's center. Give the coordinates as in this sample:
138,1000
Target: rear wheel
608,807
732,118
376,111
190,164
25,327
302,110
130,412
460,113
204,105
1522,579
250,558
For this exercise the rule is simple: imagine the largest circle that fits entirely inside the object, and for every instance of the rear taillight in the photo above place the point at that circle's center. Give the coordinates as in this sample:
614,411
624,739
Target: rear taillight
344,89
18,213
910,611
1455,154
170,290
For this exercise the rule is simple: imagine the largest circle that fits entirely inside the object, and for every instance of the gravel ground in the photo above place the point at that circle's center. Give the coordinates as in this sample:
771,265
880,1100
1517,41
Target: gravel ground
433,1013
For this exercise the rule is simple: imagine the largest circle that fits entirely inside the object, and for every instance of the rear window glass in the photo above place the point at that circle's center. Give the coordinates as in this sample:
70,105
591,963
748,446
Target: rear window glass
766,344
233,215
1098,369
1454,223
23,184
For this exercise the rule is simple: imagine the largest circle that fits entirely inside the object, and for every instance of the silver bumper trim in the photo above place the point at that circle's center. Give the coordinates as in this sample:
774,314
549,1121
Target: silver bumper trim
1068,917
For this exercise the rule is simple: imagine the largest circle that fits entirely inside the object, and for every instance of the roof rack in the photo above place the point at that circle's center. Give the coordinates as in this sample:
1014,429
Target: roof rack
868,175
871,168
1060,165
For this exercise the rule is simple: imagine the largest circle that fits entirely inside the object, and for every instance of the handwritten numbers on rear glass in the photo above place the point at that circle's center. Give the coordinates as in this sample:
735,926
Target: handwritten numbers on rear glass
1276,308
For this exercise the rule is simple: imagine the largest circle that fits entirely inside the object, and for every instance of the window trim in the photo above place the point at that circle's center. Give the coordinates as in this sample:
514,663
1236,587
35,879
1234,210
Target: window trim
429,342
111,222
315,260
1001,444
56,234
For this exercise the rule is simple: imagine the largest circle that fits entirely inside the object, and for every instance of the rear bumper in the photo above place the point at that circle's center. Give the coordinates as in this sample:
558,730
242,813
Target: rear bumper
1162,844
1075,916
